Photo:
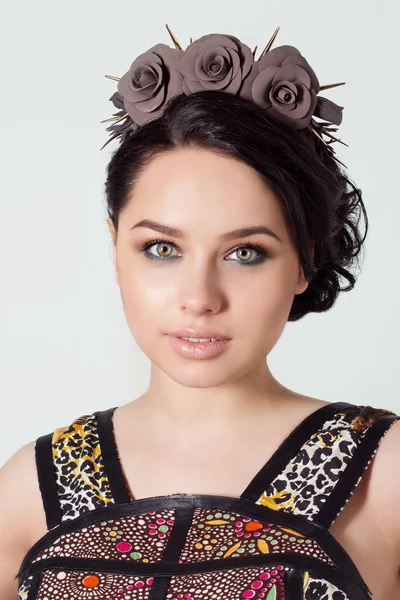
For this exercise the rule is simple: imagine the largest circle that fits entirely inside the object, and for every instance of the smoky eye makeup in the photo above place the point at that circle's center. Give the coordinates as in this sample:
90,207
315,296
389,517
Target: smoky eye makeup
261,254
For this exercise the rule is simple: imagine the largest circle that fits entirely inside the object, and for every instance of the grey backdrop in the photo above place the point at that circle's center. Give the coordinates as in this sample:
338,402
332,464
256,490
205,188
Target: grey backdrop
65,347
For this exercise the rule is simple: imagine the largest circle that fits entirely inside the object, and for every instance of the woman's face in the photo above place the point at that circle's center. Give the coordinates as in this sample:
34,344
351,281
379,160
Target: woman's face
201,280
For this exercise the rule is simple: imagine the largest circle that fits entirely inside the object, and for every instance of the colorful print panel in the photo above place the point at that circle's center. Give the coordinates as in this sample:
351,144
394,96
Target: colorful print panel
140,538
215,535
235,584
57,584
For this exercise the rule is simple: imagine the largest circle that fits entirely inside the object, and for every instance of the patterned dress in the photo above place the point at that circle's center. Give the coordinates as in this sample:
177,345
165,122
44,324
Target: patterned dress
271,543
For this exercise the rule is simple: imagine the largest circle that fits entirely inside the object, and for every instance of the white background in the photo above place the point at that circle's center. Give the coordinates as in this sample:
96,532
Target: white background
65,348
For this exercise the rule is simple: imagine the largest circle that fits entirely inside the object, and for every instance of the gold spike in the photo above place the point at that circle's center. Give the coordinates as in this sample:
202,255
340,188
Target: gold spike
116,119
334,138
331,85
254,52
191,41
333,155
329,135
318,135
110,140
110,119
112,77
271,41
177,44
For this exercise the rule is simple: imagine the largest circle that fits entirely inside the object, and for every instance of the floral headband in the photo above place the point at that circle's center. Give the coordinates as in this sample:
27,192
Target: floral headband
280,80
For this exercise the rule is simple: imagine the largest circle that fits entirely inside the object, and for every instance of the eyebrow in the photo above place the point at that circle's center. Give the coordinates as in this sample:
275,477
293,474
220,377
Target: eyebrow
229,235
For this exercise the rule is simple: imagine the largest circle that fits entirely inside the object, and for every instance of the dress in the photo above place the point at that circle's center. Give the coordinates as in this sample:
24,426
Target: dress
271,543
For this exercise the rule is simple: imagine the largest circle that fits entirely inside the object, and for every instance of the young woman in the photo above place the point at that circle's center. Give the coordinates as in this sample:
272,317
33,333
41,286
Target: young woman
228,219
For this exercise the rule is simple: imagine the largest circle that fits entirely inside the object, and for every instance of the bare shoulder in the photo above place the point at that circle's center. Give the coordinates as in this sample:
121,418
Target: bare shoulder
385,478
380,485
22,517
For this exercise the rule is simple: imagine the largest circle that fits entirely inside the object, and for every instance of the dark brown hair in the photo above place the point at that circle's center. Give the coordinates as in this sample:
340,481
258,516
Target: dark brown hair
320,203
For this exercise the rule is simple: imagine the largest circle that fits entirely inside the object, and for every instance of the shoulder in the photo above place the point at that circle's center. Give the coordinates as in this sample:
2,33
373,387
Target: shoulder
21,505
384,487
387,465
22,517
19,490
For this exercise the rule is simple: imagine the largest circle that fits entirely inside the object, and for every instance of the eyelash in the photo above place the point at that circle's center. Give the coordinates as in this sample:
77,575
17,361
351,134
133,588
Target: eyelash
263,254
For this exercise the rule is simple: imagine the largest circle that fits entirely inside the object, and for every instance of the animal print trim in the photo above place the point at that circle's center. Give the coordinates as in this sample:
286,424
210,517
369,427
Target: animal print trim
24,588
320,589
309,477
82,482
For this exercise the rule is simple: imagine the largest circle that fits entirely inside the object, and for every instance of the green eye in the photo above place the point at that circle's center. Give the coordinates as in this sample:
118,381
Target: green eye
161,246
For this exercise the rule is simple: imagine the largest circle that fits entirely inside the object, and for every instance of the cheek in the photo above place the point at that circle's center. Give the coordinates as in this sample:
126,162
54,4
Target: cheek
149,296
143,300
275,297
263,307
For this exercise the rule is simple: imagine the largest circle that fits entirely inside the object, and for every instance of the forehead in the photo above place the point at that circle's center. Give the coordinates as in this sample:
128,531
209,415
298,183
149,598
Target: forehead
194,188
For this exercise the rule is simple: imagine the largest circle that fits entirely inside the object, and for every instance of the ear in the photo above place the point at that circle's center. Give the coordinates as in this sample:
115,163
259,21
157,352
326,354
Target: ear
302,283
114,237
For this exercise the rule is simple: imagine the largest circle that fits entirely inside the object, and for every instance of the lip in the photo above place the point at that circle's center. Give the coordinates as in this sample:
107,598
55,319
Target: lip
198,333
198,350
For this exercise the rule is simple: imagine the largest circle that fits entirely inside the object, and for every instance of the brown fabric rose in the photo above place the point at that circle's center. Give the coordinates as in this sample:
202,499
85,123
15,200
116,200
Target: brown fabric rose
215,62
281,81
285,85
153,78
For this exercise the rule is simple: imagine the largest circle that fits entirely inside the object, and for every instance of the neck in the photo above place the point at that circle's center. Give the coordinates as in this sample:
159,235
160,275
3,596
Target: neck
190,412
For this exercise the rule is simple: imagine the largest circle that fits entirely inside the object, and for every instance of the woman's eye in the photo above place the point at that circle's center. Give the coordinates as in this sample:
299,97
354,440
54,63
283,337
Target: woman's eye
161,247
244,252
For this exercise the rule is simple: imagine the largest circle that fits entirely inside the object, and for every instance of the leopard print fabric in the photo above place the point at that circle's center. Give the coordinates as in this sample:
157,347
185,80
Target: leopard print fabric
82,483
319,589
24,589
302,488
307,480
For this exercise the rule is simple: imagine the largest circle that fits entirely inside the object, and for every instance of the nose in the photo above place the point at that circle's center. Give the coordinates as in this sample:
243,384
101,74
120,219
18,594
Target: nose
200,289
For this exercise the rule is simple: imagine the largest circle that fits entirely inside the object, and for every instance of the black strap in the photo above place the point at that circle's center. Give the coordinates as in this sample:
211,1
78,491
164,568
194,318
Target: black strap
293,584
47,480
358,464
176,541
111,460
289,448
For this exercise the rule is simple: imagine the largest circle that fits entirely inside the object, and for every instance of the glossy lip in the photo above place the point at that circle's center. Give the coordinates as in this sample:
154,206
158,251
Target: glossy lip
197,350
198,333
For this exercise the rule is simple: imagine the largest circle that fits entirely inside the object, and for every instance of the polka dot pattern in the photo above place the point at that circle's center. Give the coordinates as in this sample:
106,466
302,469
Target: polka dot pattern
236,584
215,535
77,585
301,488
140,538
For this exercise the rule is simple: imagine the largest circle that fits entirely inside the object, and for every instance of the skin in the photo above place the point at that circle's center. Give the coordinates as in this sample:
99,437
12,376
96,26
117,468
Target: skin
198,414
204,195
